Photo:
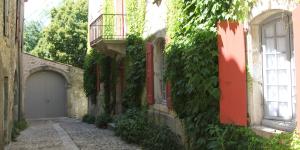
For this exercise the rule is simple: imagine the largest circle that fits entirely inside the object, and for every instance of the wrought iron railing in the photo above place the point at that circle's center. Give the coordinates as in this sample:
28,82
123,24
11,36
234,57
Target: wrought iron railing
108,27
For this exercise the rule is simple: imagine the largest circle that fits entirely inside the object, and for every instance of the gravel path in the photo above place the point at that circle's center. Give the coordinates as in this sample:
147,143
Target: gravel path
67,134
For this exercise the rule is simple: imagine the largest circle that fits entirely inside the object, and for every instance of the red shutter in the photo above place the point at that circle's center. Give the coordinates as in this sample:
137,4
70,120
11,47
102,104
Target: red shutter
149,76
232,73
296,30
169,95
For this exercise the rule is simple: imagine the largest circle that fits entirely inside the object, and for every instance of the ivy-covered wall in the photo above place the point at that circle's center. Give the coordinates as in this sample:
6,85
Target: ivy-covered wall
192,68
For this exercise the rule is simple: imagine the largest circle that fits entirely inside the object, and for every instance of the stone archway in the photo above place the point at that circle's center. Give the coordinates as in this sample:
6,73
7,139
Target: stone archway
45,94
76,100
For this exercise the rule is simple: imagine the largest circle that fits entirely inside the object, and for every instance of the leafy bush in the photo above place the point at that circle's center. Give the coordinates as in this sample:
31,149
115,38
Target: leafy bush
18,126
103,120
131,126
286,141
88,119
161,138
134,127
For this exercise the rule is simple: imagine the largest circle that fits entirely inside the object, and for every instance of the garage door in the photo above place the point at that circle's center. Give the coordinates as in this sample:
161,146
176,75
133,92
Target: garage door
45,95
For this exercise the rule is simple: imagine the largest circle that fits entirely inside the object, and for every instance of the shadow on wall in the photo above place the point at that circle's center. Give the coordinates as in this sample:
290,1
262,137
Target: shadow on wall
232,73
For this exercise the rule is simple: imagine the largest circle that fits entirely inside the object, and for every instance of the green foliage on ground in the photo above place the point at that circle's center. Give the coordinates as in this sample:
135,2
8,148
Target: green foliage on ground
32,35
88,119
134,127
136,71
103,120
64,39
18,126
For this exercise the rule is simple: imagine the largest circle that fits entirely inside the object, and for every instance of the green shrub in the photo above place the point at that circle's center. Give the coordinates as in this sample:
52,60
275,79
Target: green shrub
134,127
103,120
131,126
161,138
18,126
88,119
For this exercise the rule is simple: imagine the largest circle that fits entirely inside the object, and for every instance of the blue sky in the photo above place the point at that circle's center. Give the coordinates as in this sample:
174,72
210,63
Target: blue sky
38,10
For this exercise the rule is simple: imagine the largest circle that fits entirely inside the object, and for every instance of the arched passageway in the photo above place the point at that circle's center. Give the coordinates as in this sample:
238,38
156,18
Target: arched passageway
45,95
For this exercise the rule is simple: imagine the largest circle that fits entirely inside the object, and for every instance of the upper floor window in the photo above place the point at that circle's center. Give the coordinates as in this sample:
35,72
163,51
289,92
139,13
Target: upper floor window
5,17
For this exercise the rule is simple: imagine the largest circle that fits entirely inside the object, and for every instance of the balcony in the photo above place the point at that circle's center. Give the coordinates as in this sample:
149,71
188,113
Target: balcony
108,33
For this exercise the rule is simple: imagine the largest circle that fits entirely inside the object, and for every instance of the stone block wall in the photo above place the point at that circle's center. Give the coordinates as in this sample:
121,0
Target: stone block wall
77,102
10,49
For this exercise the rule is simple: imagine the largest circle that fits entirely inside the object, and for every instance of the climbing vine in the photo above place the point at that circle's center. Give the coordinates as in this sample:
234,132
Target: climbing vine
192,62
135,74
135,14
135,53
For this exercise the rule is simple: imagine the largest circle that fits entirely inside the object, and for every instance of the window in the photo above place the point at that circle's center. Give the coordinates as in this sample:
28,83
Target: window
5,97
17,21
278,70
159,70
5,17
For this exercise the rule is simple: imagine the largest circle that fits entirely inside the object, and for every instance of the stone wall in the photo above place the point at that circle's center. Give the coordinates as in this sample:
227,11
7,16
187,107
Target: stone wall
10,48
77,102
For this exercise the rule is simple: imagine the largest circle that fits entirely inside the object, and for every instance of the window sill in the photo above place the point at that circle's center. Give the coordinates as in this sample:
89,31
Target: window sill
288,126
266,132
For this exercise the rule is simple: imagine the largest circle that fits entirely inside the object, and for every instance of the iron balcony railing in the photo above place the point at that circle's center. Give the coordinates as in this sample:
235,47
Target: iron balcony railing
108,27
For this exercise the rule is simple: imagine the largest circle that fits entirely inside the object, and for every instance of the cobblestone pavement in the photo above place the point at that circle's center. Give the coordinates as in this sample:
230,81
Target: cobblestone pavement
67,134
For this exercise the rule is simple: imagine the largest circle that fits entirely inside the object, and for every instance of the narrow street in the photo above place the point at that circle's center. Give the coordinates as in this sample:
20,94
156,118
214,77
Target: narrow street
67,134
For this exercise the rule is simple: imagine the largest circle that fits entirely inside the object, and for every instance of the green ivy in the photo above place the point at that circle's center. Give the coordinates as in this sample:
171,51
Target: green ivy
192,62
135,16
136,71
89,77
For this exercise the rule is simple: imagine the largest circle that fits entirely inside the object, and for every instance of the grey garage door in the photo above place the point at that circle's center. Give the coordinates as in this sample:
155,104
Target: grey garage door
45,95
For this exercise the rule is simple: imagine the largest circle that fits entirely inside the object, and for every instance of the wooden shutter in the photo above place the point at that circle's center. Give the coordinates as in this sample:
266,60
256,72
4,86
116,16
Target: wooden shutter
149,75
232,73
296,31
169,95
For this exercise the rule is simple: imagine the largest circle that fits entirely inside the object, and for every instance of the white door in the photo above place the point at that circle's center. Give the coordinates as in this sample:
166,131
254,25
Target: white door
278,70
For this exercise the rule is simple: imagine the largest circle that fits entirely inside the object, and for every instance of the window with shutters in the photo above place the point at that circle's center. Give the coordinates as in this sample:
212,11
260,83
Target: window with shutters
278,69
5,17
159,70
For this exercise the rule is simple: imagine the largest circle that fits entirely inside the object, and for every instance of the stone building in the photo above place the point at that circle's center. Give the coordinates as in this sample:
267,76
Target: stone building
157,92
11,44
266,43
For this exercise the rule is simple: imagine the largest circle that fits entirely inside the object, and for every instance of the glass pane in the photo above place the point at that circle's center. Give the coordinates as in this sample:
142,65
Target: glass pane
272,93
283,77
283,93
281,28
269,30
271,61
270,45
283,61
281,45
284,110
271,109
271,77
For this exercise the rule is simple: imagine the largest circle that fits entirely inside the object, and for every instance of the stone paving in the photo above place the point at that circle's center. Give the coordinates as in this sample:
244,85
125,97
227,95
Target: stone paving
67,134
